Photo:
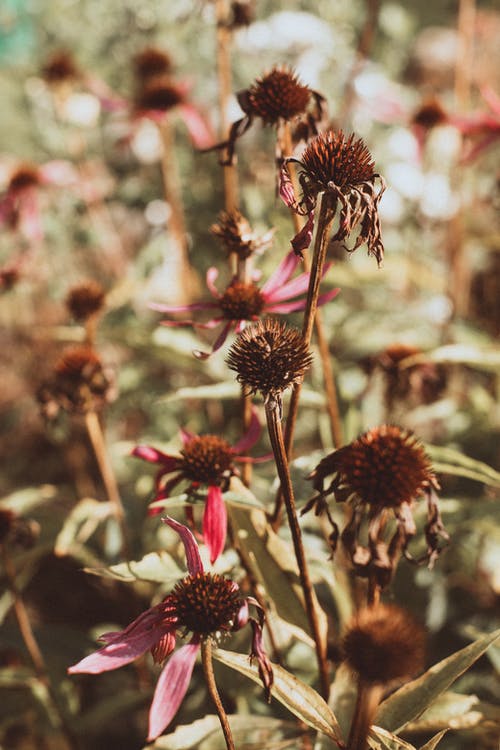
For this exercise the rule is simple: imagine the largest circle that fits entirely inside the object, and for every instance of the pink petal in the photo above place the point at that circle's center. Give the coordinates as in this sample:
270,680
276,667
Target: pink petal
251,436
172,309
193,323
295,287
193,559
215,522
186,436
30,219
327,296
286,307
171,688
155,456
286,188
211,277
127,645
280,275
218,342
198,128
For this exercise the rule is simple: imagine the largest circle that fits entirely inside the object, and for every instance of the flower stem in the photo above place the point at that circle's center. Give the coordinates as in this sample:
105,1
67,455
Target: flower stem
224,38
280,456
322,226
32,646
96,437
206,658
364,713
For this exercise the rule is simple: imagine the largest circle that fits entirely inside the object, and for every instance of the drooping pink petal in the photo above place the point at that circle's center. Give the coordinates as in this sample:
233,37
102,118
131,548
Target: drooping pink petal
192,323
218,342
155,456
172,309
286,192
125,646
186,435
193,559
286,307
327,296
281,275
171,688
197,126
297,286
214,522
211,278
251,435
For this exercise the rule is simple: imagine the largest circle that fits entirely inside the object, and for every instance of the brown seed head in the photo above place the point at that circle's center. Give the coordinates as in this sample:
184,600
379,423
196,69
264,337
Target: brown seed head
243,13
78,383
151,62
60,67
384,643
237,236
333,158
430,114
242,301
77,363
159,94
26,176
85,299
385,467
278,95
206,603
206,459
269,357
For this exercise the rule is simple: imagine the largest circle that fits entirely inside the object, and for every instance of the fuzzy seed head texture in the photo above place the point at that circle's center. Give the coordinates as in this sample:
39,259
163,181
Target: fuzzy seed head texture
334,158
206,459
278,95
206,603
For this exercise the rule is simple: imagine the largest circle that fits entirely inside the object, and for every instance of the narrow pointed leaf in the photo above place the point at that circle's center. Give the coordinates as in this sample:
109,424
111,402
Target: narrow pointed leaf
301,699
413,698
157,567
382,739
434,741
450,461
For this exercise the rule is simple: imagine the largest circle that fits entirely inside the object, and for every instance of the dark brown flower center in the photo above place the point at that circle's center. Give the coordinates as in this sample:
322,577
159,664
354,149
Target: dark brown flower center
386,466
160,94
25,177
241,301
85,299
429,115
59,67
206,603
331,157
151,62
206,458
279,94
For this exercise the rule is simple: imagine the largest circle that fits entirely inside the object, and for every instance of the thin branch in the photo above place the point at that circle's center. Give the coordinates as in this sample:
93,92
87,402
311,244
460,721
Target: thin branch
206,658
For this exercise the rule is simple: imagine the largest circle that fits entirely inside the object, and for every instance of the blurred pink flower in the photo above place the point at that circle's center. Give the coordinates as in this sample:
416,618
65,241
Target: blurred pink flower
202,603
20,204
242,302
204,460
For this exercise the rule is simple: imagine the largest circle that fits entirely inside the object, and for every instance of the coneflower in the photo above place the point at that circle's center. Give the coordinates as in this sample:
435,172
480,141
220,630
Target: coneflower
238,237
85,299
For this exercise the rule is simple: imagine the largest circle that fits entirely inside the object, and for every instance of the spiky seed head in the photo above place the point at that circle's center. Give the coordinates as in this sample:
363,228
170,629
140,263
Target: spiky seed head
384,643
269,357
242,301
206,603
159,94
237,236
151,62
85,299
278,95
386,467
332,157
206,459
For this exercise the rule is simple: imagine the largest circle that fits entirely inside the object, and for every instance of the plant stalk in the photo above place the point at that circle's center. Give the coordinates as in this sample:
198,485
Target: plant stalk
206,658
364,714
276,437
224,39
96,437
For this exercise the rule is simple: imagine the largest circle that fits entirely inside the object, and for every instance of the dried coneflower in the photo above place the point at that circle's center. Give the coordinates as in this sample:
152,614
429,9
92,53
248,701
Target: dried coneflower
85,299
237,236
276,97
159,94
382,644
269,357
60,68
78,384
342,168
384,470
151,62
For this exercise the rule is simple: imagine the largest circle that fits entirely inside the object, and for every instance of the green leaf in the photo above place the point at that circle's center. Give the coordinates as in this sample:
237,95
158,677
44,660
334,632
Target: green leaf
155,567
80,524
450,710
450,461
482,357
413,698
273,562
301,699
434,741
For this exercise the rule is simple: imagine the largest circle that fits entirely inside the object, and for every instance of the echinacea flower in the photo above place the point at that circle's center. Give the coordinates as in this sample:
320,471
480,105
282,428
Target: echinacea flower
242,302
204,460
238,237
20,204
275,98
381,472
341,167
202,603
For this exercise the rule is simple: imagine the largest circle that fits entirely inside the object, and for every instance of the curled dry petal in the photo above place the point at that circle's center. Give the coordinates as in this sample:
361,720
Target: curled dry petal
193,559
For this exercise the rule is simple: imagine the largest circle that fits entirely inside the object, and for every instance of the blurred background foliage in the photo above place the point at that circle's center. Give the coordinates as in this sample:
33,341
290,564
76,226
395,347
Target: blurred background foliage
437,294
